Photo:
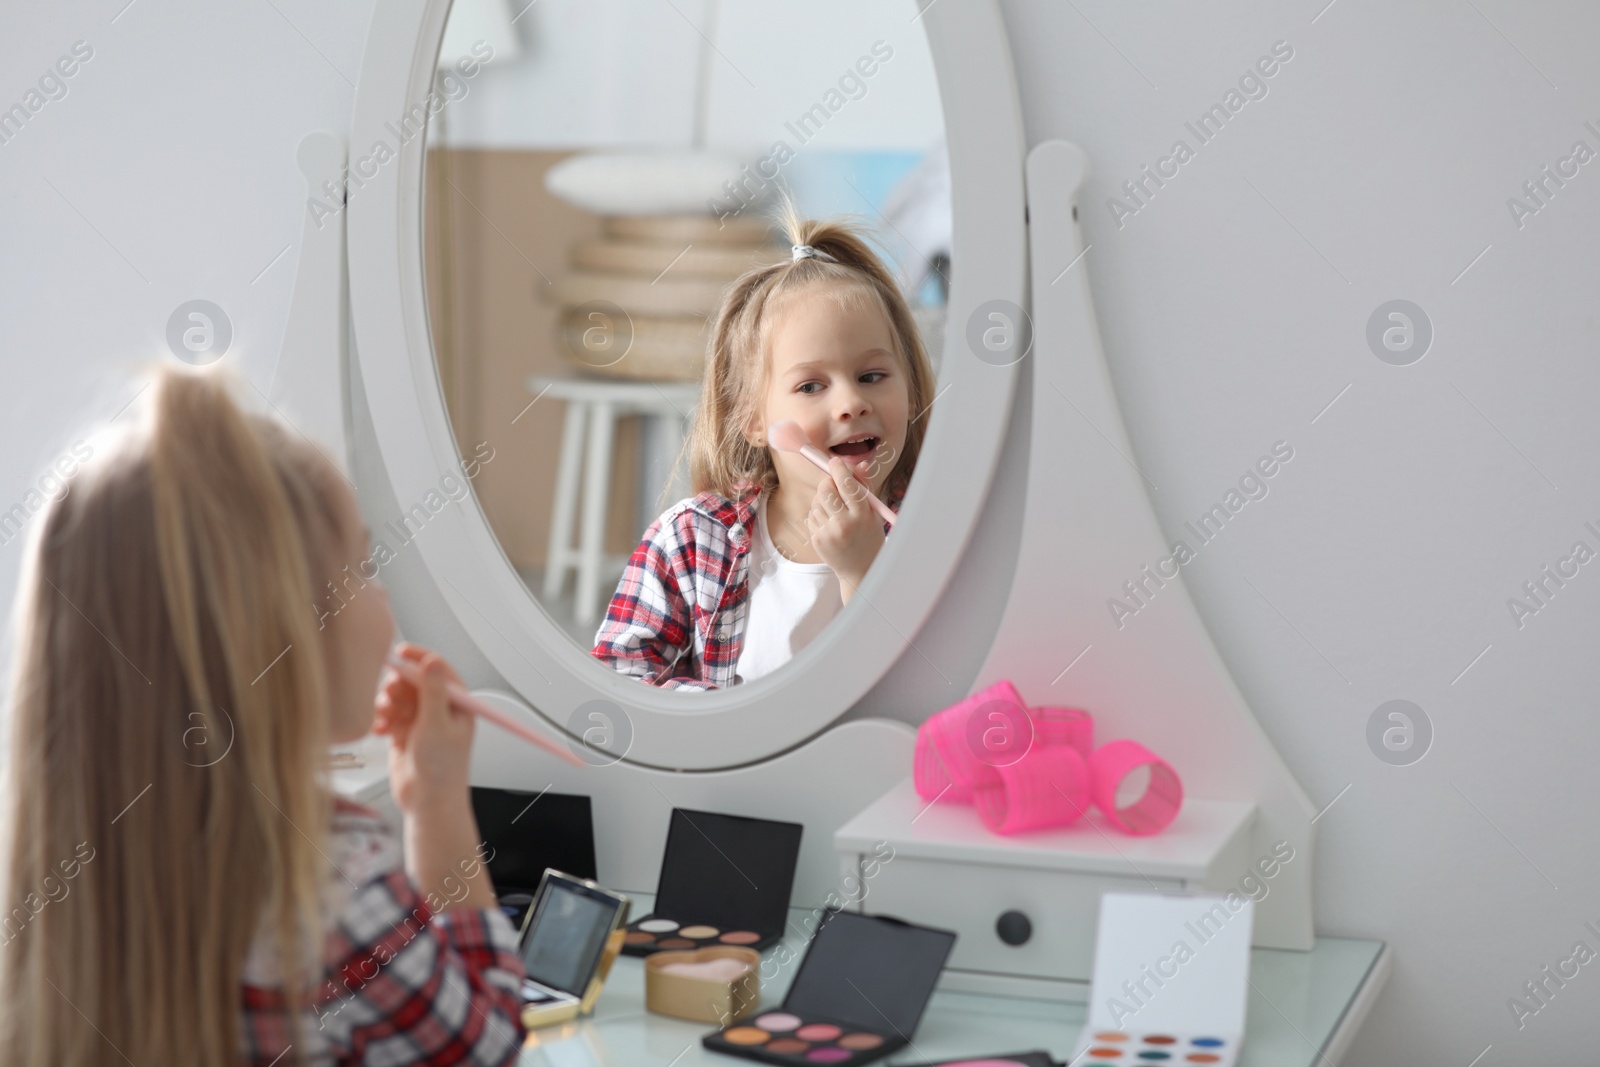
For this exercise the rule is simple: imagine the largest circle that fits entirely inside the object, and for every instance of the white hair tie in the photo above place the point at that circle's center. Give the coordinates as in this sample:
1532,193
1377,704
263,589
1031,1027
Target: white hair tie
799,252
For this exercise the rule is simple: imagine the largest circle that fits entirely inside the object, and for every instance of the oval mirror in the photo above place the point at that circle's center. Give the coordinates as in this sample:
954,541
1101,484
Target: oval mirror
574,187
591,196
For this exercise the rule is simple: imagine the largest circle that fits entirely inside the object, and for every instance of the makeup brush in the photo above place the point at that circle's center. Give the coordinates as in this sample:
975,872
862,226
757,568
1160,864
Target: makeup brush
787,436
467,702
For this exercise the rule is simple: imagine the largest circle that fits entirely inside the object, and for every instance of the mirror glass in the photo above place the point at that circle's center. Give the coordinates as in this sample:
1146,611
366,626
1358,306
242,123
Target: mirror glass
598,173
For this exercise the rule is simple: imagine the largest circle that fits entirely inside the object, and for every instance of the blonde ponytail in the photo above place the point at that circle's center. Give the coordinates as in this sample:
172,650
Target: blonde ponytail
169,712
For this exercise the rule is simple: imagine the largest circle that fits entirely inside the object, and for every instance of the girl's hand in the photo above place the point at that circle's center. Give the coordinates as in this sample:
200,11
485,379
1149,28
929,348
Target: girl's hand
429,741
847,532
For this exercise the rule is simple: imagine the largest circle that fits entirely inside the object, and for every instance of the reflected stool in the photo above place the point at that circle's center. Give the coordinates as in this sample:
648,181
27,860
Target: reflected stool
593,408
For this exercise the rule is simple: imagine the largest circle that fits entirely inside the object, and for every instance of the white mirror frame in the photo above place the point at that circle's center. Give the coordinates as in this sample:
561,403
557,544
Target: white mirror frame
461,555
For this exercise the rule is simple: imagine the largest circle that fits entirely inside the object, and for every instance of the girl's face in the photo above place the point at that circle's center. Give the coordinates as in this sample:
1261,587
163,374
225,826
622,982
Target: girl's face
357,637
834,372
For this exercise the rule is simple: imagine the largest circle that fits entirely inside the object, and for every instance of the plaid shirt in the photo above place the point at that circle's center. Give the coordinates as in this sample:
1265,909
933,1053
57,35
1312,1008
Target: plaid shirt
677,619
403,984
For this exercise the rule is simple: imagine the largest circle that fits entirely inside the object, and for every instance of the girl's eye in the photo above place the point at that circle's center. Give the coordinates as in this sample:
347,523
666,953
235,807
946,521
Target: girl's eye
805,387
874,376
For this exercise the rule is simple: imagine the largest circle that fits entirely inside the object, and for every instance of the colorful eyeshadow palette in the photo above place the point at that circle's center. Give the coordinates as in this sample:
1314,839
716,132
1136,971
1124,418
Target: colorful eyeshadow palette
858,995
1132,1048
1171,975
725,880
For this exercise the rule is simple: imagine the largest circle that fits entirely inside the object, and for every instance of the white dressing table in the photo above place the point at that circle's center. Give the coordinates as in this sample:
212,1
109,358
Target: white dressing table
1304,1010
1305,1007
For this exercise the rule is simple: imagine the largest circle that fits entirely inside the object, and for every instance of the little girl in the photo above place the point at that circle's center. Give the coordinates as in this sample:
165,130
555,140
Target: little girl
184,887
731,583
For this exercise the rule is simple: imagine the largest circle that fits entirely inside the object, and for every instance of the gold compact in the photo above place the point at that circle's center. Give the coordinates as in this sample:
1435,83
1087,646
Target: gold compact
571,936
718,985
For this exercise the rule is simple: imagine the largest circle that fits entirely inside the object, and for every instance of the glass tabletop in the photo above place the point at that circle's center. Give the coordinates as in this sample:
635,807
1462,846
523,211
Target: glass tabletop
1297,1000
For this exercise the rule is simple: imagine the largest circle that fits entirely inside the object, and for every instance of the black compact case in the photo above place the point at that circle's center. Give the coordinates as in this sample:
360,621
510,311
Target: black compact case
527,833
725,880
860,991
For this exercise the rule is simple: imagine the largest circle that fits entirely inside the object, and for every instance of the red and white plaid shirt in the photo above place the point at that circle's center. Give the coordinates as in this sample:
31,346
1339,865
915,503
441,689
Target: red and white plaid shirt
402,984
677,619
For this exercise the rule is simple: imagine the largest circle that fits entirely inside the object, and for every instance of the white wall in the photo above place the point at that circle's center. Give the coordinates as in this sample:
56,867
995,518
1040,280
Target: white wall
165,174
1233,309
610,72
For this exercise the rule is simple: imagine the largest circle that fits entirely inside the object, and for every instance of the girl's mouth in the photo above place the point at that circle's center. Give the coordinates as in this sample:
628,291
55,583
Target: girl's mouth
855,448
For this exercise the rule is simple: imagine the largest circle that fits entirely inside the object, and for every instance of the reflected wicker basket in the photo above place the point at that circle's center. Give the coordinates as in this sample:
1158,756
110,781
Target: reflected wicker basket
659,348
637,301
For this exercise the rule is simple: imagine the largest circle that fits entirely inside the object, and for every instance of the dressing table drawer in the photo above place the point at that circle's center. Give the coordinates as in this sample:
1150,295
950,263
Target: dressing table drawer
1050,915
1026,907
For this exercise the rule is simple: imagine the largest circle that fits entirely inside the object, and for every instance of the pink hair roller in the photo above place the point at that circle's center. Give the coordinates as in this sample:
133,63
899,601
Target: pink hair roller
1152,812
927,769
1065,726
992,726
1047,787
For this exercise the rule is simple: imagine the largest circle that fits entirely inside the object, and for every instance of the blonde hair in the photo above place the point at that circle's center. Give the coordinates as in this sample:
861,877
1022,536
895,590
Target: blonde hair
154,596
737,365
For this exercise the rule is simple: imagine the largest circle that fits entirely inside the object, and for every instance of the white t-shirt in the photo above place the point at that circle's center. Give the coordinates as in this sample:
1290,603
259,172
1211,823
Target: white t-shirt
790,603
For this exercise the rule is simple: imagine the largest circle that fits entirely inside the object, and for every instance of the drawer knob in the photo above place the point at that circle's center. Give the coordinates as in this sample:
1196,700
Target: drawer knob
1013,927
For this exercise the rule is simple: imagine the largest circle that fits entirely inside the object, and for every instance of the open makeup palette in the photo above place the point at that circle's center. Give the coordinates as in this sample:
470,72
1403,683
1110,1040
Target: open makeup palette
1170,981
528,833
858,995
725,880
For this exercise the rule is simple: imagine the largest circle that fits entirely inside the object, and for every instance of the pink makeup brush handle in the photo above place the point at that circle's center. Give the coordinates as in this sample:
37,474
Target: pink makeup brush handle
467,702
814,454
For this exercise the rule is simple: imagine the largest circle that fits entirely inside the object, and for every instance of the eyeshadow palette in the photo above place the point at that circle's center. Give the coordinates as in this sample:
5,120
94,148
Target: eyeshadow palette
1131,1048
858,995
1171,974
725,880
